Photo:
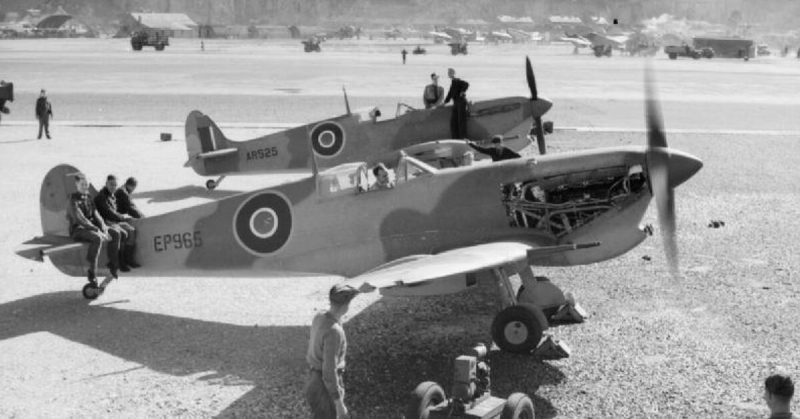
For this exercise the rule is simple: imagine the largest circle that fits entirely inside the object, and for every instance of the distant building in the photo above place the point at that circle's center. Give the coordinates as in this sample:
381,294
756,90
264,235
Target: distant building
173,24
62,24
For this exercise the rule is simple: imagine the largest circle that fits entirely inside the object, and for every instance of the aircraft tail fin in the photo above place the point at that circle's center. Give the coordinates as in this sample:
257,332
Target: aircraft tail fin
66,254
204,139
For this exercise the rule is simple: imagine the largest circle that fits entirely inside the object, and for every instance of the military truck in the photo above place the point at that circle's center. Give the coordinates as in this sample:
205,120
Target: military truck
157,38
675,51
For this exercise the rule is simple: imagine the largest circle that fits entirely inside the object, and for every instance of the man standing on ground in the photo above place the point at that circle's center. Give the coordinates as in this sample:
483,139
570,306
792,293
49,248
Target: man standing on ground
44,111
433,95
778,392
404,53
458,93
326,353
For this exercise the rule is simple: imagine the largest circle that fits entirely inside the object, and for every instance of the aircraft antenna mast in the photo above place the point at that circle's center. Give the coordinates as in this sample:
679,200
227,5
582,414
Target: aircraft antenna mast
346,102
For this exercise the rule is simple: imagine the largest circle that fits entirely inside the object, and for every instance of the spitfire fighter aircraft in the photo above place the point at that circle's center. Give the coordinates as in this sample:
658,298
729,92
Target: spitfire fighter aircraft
431,232
600,44
355,136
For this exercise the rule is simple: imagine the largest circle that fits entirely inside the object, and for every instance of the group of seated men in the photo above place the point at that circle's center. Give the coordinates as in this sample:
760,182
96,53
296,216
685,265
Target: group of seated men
106,218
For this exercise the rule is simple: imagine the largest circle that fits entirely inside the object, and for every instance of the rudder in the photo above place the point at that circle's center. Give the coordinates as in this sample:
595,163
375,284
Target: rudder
202,136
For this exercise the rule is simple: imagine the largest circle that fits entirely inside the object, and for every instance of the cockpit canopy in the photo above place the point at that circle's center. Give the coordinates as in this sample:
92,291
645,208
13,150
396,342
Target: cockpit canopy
354,178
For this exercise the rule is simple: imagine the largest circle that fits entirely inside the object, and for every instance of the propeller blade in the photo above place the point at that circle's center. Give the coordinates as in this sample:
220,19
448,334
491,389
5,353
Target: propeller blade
658,162
531,79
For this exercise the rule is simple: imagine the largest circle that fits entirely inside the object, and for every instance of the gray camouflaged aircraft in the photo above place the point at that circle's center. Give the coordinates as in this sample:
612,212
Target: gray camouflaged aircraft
356,136
430,232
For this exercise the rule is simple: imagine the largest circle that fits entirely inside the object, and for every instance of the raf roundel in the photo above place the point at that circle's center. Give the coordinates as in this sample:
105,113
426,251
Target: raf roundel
263,223
327,139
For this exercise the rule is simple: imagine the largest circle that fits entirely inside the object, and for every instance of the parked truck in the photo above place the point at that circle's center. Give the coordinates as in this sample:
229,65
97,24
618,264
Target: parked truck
157,38
675,51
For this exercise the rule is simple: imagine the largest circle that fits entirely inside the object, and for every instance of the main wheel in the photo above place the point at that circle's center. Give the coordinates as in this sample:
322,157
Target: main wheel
423,398
519,328
518,406
90,291
211,184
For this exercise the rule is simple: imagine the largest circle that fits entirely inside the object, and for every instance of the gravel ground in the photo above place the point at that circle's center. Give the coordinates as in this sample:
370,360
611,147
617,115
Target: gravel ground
216,347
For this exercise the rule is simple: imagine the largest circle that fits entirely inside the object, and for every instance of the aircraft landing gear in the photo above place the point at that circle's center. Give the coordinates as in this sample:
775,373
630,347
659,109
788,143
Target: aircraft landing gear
92,290
520,325
211,184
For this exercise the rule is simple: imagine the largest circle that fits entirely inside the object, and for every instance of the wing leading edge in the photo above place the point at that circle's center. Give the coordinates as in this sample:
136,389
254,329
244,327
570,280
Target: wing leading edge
447,272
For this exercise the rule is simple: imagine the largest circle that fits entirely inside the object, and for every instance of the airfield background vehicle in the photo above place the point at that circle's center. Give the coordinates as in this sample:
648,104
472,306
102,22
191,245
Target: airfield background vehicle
311,45
470,396
762,50
601,50
419,50
458,48
157,38
675,51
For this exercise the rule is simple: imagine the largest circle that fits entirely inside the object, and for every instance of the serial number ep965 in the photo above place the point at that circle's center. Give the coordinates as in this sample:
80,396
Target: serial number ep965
176,241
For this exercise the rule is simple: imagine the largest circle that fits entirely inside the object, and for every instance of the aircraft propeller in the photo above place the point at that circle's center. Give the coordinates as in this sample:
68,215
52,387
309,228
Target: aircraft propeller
534,97
658,167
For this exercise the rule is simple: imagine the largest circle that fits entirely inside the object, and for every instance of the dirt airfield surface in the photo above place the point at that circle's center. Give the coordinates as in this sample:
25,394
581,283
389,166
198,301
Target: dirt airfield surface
220,347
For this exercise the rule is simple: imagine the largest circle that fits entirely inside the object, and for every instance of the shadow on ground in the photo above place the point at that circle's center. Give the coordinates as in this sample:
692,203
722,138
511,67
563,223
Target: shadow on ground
393,346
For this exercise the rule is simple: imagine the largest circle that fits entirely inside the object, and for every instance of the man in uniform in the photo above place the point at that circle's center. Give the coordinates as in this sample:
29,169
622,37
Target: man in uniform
106,203
382,180
86,225
6,93
44,111
499,152
458,93
778,392
327,348
433,95
404,53
125,204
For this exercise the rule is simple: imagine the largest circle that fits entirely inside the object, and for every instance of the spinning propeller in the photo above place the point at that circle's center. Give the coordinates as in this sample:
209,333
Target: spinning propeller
666,169
537,113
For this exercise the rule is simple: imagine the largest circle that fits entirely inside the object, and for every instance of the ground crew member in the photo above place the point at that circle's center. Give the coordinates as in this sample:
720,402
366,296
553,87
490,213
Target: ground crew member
458,93
106,203
778,392
499,152
404,53
125,204
6,93
86,225
44,111
327,348
433,95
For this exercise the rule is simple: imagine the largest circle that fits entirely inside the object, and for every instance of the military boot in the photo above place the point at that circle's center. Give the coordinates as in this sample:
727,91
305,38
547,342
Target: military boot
129,252
123,264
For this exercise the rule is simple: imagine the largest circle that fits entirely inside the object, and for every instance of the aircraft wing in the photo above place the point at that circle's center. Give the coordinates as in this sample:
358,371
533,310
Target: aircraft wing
578,42
446,272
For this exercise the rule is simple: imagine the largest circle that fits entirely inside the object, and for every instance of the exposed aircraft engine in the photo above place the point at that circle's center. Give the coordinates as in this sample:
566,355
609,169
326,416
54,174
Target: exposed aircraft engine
561,204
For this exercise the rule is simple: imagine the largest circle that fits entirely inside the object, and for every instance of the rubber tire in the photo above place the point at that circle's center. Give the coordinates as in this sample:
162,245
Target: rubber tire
425,396
518,406
673,56
159,47
90,292
530,316
136,46
211,184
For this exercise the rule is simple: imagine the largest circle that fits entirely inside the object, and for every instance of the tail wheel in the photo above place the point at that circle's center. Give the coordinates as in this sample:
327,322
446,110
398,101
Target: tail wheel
211,184
518,406
519,328
426,396
91,291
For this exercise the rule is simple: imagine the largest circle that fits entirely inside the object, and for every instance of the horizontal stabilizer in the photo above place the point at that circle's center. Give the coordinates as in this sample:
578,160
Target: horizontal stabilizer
217,153
39,247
